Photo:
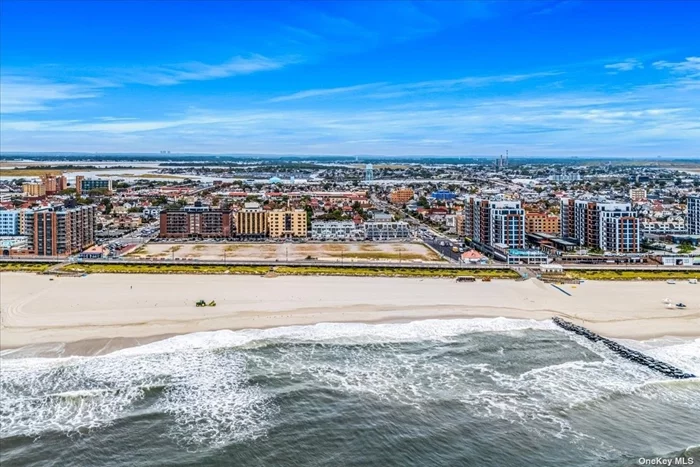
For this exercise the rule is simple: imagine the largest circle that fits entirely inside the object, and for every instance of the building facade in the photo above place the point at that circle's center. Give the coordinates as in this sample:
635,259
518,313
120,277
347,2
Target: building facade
287,223
61,231
34,190
401,196
693,217
204,223
638,194
335,230
494,222
251,221
84,185
54,183
381,231
603,225
9,222
539,222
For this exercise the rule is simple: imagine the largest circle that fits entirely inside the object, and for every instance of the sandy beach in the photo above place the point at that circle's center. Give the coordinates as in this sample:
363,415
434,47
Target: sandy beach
136,308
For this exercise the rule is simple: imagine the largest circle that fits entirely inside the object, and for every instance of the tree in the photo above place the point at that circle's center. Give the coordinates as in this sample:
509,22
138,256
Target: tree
98,192
107,204
423,202
67,192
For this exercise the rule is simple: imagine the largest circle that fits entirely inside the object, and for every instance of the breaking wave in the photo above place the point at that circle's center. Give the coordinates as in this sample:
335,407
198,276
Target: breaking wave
213,386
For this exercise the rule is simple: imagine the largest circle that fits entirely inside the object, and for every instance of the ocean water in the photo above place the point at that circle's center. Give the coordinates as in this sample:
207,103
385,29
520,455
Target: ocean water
497,392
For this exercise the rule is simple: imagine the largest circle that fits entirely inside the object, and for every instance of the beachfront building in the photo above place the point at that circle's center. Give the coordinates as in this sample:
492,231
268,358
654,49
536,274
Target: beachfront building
489,222
84,185
60,230
34,190
251,221
401,196
540,222
202,222
693,217
335,230
382,231
605,225
287,223
9,222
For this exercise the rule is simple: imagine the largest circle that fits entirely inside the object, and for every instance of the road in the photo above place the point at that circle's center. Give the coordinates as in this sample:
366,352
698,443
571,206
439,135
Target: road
445,250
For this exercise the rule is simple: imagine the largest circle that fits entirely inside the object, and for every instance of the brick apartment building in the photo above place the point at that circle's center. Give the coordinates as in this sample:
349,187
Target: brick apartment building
61,230
195,223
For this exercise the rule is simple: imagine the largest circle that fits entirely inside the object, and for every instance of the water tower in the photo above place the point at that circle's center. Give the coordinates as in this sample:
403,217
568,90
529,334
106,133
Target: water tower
369,173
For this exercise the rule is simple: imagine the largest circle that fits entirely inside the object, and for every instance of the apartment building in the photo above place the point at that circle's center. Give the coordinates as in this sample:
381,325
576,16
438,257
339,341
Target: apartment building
84,185
60,230
205,223
251,221
34,190
540,222
287,223
53,183
693,217
637,194
401,196
9,222
335,230
381,231
605,225
494,222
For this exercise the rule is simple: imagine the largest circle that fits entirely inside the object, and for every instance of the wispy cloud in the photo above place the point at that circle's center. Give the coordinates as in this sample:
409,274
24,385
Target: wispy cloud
197,71
625,65
384,90
20,94
691,65
325,92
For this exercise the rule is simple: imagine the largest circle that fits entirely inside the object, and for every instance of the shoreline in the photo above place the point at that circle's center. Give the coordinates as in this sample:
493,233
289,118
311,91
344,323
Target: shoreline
121,310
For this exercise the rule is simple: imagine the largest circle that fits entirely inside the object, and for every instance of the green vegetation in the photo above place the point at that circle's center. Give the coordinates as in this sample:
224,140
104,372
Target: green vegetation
24,267
648,275
288,270
380,255
686,248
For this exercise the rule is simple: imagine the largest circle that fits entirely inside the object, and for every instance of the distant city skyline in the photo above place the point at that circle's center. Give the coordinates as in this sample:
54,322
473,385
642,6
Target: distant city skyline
536,78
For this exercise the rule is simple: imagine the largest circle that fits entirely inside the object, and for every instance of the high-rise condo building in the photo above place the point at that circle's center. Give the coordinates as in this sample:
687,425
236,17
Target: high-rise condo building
693,217
606,225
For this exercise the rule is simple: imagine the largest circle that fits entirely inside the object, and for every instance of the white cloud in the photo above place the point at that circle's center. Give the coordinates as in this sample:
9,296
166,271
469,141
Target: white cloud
325,92
625,65
390,91
691,65
197,71
18,94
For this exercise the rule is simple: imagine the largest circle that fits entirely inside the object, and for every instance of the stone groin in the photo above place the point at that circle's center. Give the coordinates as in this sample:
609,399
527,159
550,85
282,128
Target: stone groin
624,352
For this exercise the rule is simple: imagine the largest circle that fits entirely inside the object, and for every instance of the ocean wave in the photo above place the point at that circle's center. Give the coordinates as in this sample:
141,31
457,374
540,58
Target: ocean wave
212,384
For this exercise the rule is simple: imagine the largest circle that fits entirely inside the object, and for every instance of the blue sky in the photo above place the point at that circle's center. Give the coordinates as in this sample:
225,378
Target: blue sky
537,78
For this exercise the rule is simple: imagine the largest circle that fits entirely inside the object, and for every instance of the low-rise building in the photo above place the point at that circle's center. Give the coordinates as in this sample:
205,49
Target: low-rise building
401,196
379,231
335,230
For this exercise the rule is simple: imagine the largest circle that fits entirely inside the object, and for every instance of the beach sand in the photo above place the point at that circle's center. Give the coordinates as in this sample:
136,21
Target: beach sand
123,310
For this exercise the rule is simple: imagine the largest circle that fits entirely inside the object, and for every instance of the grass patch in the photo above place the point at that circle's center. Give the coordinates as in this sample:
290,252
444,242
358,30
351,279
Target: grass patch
608,275
287,270
164,269
138,251
24,267
199,247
